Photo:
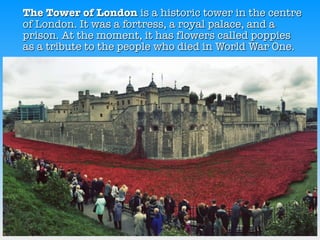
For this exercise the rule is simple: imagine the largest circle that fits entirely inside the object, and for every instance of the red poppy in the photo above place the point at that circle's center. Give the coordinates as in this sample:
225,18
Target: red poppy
255,172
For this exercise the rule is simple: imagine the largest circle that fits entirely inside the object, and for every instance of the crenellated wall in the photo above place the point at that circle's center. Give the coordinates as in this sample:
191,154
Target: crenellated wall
170,131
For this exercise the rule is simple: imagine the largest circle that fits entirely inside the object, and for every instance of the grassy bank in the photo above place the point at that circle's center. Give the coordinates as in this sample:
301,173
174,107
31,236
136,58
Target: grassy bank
24,214
297,190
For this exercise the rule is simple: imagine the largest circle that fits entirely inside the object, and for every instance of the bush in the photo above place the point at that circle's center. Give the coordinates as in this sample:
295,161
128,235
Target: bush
26,171
298,221
172,231
54,192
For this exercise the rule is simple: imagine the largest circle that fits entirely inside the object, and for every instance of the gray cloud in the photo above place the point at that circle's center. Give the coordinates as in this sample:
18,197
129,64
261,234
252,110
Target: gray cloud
301,78
264,79
254,86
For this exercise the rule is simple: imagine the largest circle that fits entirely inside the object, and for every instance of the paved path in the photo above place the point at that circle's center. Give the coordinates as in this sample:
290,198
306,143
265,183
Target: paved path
127,219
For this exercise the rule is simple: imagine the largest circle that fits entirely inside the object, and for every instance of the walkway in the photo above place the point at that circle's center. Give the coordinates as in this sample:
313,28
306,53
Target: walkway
127,219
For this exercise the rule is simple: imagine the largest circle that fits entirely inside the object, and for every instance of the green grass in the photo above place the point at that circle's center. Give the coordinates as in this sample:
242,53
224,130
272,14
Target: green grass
24,214
297,190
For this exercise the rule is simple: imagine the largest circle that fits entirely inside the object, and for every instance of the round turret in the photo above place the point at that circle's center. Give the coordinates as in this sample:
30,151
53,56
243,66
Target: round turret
130,88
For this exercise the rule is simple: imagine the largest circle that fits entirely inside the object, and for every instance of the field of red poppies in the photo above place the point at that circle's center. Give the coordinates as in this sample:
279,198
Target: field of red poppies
255,172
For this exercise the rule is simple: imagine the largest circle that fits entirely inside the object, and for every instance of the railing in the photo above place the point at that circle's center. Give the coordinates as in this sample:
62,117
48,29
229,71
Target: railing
193,214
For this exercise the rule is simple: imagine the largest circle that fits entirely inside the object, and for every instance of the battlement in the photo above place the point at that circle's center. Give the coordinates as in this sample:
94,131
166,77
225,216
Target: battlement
170,107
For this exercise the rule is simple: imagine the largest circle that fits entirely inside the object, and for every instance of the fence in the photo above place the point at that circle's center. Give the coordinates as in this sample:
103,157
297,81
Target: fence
193,214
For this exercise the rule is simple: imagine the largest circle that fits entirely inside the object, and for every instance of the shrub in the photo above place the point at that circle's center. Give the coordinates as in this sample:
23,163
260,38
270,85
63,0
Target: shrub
298,221
26,171
55,192
172,231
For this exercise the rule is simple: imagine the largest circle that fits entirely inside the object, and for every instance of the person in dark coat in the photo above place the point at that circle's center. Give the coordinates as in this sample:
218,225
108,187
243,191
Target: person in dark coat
99,185
93,189
235,216
186,203
85,188
212,214
202,212
169,206
108,198
150,213
181,216
222,213
245,216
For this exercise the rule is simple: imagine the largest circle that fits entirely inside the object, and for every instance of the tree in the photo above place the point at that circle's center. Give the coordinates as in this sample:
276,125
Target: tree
193,98
211,98
8,120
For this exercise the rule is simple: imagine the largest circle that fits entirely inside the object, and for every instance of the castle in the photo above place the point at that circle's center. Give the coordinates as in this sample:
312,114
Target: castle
158,122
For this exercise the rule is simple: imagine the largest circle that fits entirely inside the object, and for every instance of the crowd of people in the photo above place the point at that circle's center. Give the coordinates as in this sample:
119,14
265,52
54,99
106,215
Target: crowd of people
151,213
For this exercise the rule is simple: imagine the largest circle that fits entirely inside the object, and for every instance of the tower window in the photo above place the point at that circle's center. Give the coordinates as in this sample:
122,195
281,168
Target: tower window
169,128
193,127
154,128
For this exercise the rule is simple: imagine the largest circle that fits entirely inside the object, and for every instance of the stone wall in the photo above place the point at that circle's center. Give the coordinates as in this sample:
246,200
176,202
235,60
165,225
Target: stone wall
170,131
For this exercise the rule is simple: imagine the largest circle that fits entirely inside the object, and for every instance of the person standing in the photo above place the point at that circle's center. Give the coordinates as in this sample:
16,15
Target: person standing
108,198
201,213
235,216
169,206
85,187
267,213
308,199
151,213
99,185
181,216
222,213
114,193
122,194
157,222
139,222
245,216
136,201
280,211
79,195
212,214
117,211
218,226
99,207
93,188
257,216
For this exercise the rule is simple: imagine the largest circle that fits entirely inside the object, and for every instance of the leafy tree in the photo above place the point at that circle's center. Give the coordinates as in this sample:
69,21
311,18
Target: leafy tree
193,98
211,98
8,120
298,221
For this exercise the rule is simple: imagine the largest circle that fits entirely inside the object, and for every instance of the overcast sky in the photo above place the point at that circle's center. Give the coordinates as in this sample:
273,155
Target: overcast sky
266,80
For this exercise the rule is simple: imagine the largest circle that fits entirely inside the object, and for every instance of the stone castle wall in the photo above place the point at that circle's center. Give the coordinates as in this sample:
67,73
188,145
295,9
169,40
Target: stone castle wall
170,131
